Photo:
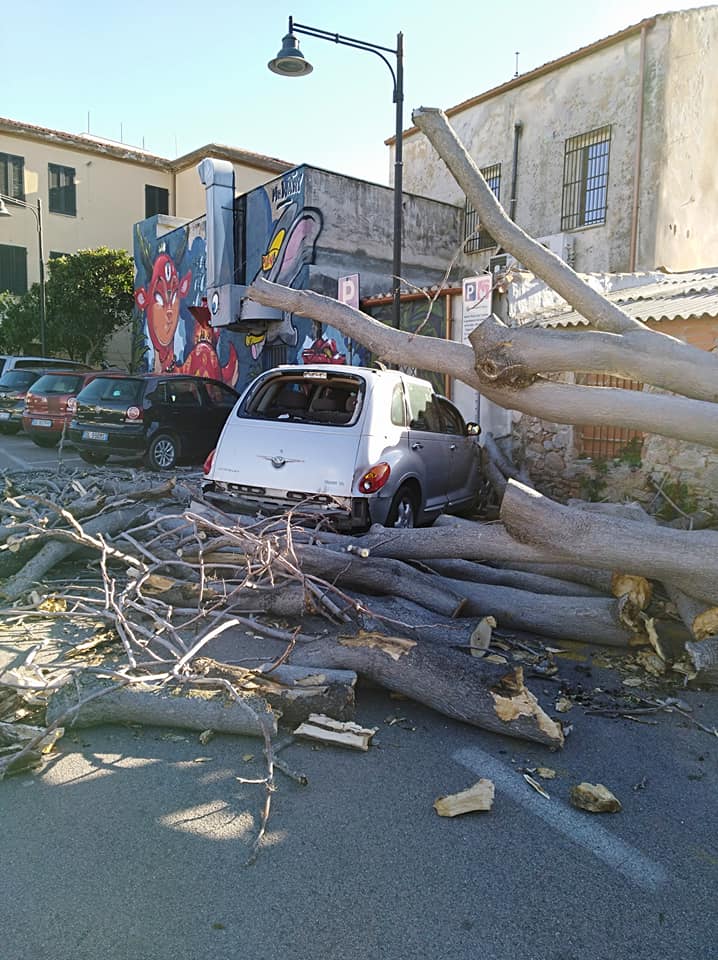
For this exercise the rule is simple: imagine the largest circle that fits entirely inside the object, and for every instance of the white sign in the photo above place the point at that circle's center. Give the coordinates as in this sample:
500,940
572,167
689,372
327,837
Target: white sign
349,290
476,302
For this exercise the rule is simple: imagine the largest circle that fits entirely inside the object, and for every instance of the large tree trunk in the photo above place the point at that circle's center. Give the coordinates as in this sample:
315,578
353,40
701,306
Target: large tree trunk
453,683
686,558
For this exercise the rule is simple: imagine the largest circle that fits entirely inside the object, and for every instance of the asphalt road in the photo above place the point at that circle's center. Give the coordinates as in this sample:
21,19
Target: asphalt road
129,844
18,452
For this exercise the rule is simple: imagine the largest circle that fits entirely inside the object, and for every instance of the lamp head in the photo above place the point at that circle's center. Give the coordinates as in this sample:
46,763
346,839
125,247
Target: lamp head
4,212
290,61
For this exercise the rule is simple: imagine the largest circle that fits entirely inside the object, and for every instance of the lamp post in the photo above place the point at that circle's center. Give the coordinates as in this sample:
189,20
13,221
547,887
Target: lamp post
37,213
290,62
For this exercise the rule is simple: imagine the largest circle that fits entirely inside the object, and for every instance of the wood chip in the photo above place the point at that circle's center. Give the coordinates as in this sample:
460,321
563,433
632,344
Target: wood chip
536,786
563,705
326,730
546,773
480,796
595,798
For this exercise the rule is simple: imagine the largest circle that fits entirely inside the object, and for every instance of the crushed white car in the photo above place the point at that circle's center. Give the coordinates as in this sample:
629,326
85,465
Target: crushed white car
355,444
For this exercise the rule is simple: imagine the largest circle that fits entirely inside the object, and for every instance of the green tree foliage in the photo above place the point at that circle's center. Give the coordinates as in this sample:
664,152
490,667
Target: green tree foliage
89,296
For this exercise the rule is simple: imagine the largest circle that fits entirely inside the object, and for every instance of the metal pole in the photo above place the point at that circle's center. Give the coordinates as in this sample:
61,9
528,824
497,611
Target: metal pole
42,277
398,177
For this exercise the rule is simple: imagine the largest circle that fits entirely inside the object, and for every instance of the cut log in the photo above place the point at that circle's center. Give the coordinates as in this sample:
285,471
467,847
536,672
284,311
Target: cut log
395,615
533,582
465,688
599,580
688,559
163,706
292,691
380,576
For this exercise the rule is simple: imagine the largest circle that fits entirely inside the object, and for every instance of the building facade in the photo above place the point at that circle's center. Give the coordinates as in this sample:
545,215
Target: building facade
607,154
93,191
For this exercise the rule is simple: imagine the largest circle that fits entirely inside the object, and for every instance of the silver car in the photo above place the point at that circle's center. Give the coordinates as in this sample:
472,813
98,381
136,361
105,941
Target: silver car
360,445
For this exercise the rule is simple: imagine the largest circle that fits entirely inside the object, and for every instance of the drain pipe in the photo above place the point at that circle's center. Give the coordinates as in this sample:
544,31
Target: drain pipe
637,158
515,171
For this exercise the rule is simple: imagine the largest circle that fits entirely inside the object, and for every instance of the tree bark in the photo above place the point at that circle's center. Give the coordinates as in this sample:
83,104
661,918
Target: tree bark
686,558
519,580
691,420
380,576
162,707
465,688
395,615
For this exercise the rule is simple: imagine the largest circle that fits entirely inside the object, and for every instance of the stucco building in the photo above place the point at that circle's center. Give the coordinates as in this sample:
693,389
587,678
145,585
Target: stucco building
606,154
93,191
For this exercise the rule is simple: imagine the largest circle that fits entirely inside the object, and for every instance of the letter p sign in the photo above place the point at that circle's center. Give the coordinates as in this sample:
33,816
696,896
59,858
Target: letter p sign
349,290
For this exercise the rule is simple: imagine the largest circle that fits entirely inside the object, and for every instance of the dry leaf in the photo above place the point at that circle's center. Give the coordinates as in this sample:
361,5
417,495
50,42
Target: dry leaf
495,658
206,736
563,705
247,757
595,798
633,682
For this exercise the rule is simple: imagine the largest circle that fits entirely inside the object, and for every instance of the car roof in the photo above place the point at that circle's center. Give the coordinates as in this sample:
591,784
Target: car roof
366,372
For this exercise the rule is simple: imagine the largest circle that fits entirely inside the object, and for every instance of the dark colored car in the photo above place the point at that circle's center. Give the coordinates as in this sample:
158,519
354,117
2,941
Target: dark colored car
47,409
13,389
163,418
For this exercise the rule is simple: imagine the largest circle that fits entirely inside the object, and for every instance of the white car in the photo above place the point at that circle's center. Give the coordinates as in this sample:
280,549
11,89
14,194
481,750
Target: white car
360,445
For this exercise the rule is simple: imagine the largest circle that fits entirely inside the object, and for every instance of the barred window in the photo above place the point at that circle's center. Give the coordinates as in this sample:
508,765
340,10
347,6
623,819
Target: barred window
585,179
475,238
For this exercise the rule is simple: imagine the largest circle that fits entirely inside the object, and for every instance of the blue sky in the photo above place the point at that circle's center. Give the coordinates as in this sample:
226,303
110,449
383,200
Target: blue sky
177,75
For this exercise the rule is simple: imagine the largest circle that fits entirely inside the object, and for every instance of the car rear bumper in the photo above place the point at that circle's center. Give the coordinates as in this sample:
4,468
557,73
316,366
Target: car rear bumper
43,424
103,438
346,512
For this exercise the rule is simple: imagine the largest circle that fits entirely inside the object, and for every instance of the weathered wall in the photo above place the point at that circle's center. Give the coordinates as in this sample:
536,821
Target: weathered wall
189,191
686,228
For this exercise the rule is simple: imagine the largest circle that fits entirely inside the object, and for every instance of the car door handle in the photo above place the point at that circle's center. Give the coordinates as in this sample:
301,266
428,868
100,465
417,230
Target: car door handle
417,446
452,447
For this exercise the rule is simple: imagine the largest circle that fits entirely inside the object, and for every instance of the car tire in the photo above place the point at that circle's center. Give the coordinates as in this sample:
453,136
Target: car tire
41,441
162,452
404,508
96,459
10,428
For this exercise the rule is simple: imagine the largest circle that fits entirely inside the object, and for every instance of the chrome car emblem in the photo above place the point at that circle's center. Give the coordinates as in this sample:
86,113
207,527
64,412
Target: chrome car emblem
279,462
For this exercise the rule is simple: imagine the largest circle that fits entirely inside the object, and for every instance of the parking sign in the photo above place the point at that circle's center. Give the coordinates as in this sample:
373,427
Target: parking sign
476,302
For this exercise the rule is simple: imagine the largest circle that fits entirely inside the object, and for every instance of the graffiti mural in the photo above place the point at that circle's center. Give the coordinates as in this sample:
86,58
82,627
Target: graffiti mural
279,243
417,316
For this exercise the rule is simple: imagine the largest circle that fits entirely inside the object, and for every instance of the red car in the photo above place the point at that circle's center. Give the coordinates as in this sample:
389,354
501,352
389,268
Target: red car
46,413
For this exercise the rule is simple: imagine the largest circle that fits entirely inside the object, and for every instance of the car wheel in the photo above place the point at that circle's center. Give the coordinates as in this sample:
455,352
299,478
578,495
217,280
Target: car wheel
90,456
41,441
162,452
404,508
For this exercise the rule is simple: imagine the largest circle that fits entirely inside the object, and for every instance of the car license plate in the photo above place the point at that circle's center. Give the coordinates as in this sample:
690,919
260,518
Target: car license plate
93,435
41,423
4,415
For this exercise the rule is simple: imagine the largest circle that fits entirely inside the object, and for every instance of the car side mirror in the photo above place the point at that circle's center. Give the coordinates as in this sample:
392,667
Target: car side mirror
473,429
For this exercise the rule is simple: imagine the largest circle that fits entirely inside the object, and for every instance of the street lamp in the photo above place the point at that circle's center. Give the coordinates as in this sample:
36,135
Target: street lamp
290,62
37,213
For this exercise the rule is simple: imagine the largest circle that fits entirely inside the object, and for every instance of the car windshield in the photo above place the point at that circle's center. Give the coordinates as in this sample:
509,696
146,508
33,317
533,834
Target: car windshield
126,390
58,383
306,397
18,379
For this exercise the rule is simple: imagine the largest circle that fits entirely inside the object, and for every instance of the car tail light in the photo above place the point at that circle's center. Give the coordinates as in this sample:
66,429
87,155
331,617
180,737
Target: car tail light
72,405
208,463
374,479
133,413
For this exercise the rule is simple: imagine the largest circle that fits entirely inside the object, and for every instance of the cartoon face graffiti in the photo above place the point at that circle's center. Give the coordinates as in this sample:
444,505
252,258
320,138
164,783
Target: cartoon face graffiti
161,304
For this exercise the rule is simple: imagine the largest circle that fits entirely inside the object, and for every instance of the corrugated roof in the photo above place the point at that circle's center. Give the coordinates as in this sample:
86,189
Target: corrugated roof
679,296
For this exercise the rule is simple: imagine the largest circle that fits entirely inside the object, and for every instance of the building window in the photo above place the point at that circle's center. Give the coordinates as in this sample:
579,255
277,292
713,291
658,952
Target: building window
62,189
157,200
475,238
13,269
585,179
57,255
12,179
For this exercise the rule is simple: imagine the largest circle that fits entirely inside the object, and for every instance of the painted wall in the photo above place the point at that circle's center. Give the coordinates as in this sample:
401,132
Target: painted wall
304,229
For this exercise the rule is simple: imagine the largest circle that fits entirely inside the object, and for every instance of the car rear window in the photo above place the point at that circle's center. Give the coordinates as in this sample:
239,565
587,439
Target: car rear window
58,383
113,389
308,397
18,379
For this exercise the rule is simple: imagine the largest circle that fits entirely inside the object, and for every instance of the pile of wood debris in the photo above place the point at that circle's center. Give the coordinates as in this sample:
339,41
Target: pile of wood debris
452,616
